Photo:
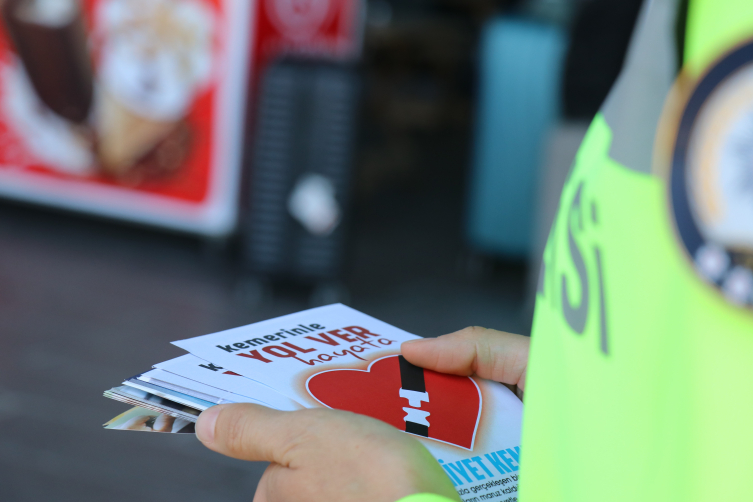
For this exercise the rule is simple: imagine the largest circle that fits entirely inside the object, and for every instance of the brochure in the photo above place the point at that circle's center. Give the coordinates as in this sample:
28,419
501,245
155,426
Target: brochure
336,357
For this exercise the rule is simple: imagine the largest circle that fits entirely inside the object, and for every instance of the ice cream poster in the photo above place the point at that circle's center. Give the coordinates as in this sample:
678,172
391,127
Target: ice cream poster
127,108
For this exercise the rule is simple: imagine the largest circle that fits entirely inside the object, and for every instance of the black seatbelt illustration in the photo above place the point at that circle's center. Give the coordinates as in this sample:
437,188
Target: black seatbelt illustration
414,390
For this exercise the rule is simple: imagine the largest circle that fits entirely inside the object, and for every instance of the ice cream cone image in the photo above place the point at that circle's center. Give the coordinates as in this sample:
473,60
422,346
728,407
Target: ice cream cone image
48,83
155,58
125,137
50,39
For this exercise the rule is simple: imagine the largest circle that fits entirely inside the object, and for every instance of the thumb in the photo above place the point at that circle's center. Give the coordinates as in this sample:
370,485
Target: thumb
246,431
490,354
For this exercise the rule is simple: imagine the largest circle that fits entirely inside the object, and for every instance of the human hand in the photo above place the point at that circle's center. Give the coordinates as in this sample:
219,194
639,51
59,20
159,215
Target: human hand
323,455
494,355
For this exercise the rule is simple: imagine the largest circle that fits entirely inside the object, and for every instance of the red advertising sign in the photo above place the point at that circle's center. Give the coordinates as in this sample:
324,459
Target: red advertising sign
135,109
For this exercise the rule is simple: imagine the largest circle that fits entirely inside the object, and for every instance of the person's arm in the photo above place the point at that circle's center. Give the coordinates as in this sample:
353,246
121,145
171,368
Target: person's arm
325,455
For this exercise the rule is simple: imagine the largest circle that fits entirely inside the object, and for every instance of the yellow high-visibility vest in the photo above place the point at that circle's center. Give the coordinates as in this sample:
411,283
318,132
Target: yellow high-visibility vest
640,383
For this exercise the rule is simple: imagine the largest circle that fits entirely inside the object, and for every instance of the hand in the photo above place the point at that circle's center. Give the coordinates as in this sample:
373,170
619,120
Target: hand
323,455
490,354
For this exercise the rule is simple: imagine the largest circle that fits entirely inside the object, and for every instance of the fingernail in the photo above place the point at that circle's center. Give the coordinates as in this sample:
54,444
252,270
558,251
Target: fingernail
205,424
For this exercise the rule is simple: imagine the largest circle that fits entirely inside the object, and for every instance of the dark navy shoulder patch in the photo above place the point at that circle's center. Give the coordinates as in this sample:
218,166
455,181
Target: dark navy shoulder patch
710,175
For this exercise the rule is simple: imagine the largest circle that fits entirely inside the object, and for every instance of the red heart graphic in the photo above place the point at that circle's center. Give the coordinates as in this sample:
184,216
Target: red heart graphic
453,406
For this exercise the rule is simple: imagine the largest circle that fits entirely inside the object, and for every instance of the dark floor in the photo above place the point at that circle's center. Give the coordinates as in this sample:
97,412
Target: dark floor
85,303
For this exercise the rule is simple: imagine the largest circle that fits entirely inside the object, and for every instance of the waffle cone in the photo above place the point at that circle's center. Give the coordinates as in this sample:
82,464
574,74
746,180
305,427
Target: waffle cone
125,138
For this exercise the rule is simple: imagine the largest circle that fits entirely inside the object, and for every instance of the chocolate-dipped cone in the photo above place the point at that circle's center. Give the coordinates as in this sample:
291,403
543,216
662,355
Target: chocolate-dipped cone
50,39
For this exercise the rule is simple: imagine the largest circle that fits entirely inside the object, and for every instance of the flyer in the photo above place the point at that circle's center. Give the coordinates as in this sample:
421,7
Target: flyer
337,357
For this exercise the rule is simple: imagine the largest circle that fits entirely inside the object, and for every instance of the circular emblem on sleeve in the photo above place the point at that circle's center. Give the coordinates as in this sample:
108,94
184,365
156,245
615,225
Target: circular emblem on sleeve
711,176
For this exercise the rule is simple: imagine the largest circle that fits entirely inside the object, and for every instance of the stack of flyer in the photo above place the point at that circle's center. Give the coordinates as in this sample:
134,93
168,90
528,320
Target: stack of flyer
336,357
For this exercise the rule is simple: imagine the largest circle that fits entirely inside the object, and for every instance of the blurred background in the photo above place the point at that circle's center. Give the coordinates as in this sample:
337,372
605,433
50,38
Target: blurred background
172,168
